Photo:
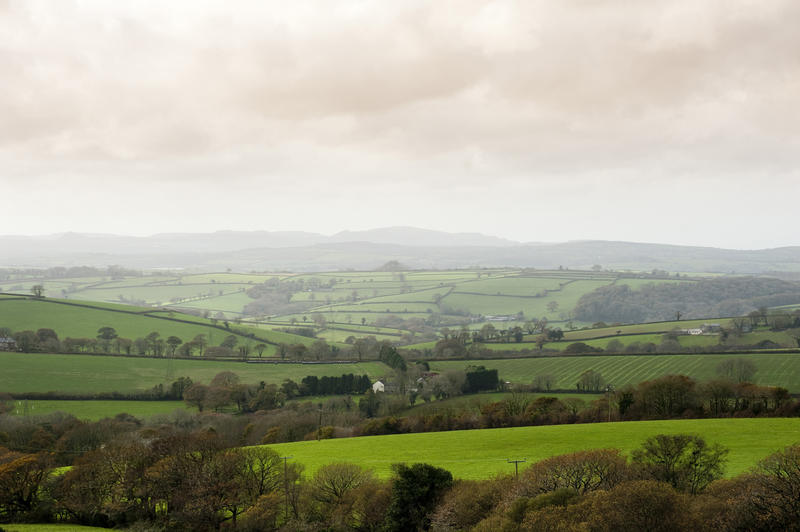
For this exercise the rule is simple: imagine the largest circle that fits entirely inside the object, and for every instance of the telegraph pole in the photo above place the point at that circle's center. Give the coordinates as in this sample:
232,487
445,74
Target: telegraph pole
516,465
286,484
609,389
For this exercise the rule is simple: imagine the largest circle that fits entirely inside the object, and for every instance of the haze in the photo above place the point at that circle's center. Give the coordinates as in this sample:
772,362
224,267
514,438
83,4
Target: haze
537,121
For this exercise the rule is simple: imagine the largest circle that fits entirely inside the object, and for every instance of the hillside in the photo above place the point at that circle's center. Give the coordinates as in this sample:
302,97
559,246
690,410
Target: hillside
484,453
79,319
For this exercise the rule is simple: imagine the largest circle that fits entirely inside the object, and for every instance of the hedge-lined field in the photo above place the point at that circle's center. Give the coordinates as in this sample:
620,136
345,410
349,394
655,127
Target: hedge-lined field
94,410
476,454
782,369
25,372
83,319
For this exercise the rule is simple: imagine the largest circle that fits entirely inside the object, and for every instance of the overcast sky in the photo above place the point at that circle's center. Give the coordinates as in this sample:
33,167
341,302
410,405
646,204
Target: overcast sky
674,121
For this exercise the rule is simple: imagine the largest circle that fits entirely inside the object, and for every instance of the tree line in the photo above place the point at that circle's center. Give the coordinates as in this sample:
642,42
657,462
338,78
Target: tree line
717,297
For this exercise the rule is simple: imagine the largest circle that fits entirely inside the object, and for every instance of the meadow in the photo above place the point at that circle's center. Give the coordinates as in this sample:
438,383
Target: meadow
94,410
27,372
781,369
49,527
478,454
486,291
83,319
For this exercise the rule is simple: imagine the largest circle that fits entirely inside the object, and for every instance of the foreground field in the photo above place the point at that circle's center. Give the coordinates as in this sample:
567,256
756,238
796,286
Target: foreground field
476,454
94,410
782,369
50,528
26,372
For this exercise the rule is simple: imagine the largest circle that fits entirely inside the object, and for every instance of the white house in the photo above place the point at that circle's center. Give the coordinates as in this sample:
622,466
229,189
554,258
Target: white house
378,386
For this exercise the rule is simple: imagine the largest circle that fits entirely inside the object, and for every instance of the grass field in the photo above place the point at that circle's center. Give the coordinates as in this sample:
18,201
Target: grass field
94,410
773,369
68,320
49,527
354,295
566,298
24,372
476,454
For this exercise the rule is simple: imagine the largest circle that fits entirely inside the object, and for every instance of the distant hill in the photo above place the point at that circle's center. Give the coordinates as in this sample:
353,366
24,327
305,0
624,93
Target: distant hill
367,250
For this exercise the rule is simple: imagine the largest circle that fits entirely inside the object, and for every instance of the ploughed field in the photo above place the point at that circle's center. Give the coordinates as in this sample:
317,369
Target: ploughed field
479,454
773,369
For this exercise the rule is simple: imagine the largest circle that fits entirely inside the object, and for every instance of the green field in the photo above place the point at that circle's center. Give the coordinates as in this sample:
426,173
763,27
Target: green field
24,372
94,410
566,298
49,527
781,369
476,454
84,319
340,296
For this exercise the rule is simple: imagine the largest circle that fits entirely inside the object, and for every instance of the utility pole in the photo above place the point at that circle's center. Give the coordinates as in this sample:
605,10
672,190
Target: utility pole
516,465
609,389
286,484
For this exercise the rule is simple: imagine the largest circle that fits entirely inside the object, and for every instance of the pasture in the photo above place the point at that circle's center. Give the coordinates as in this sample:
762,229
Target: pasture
480,454
27,372
781,369
83,319
49,527
342,296
564,298
94,410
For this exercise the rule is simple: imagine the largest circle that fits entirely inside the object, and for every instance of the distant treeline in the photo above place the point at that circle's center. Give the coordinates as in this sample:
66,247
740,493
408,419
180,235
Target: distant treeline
726,296
346,384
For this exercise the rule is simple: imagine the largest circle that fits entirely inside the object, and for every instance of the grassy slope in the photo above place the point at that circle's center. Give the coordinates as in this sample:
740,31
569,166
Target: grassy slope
483,453
773,369
566,298
134,322
23,372
50,527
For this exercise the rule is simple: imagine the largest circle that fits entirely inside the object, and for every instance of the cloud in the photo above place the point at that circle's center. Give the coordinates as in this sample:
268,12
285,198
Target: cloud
366,94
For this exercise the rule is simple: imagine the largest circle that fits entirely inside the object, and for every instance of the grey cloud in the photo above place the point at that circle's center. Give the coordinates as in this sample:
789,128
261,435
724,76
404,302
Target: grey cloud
471,96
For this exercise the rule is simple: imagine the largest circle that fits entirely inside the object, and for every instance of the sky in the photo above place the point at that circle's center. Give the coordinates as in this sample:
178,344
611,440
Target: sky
673,122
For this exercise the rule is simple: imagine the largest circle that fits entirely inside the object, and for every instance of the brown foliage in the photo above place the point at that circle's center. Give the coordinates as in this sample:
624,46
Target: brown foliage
467,503
582,471
21,477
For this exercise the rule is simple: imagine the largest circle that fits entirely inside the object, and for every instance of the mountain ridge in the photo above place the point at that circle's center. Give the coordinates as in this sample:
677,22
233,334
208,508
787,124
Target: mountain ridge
418,248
